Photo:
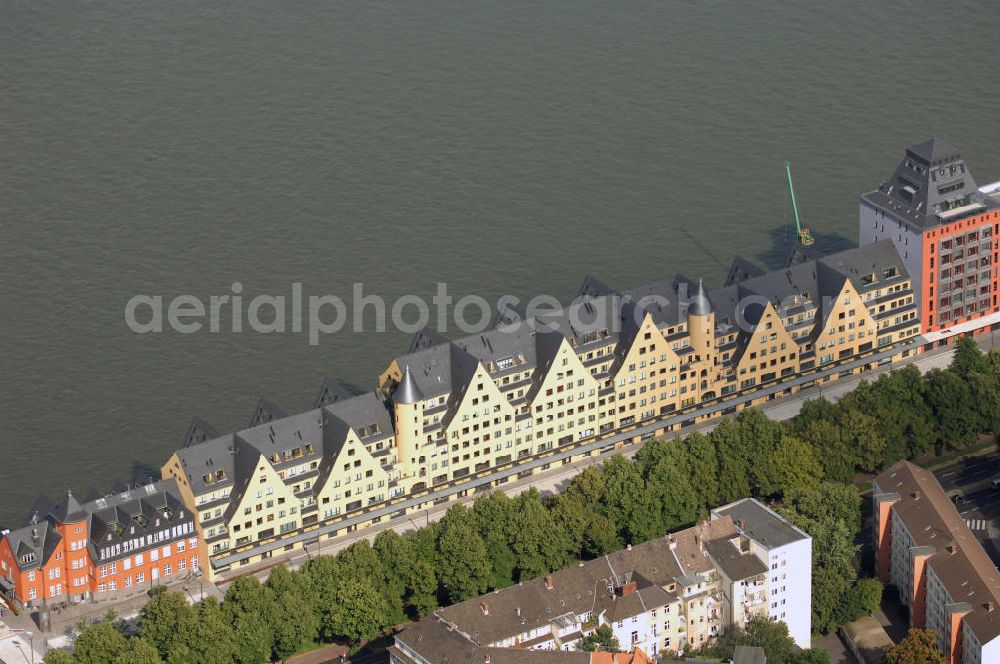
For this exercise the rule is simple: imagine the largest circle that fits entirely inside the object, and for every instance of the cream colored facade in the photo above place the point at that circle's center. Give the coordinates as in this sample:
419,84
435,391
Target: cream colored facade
449,412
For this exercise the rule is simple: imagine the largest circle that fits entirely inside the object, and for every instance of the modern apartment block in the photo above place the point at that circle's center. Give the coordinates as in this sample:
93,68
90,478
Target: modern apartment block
682,590
924,548
472,411
946,231
107,549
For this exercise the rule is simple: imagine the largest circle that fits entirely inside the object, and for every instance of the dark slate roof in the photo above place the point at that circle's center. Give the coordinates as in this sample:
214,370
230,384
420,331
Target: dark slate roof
515,341
931,179
736,564
133,513
38,539
368,414
331,392
933,151
425,338
407,391
741,270
661,300
593,287
199,432
69,510
266,412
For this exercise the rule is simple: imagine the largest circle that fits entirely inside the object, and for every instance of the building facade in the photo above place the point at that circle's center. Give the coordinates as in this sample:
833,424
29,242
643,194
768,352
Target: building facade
659,597
107,549
449,412
924,549
946,231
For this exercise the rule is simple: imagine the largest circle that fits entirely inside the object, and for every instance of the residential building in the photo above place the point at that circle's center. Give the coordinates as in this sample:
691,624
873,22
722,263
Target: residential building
924,549
106,549
450,412
946,231
685,589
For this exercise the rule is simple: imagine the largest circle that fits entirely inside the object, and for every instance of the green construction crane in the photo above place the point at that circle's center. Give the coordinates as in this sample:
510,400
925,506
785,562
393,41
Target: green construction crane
805,236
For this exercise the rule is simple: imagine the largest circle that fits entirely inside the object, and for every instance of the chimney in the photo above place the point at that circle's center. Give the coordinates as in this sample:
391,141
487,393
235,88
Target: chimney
989,606
916,495
548,582
950,548
628,547
485,608
518,612
629,588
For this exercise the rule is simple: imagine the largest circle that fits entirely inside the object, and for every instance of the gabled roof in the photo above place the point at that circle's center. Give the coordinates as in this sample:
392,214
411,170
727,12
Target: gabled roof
741,270
38,540
199,432
331,392
266,412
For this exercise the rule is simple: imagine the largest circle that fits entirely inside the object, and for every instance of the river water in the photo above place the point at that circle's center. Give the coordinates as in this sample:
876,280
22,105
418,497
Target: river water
175,148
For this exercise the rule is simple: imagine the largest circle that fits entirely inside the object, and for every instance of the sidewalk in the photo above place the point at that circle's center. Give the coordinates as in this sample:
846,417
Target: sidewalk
15,648
63,621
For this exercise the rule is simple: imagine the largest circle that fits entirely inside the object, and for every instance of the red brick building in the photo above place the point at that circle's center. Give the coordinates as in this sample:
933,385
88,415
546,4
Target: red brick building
109,548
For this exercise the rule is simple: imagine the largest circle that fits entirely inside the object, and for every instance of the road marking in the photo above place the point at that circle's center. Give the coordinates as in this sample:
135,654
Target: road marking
976,524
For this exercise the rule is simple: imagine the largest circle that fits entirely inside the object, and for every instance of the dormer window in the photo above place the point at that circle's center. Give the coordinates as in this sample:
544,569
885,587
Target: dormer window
28,558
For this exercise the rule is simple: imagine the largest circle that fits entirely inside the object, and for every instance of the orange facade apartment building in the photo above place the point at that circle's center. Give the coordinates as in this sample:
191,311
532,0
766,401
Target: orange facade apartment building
924,549
110,548
947,232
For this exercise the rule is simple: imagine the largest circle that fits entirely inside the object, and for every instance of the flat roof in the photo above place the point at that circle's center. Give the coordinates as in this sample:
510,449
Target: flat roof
760,523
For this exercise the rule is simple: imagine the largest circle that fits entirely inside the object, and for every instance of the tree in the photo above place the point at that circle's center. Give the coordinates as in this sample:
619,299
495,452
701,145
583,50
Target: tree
601,639
761,632
870,595
538,544
98,644
919,646
294,624
760,436
211,639
495,513
968,358
833,451
863,599
254,638
831,514
141,651
165,621
952,403
56,656
860,433
734,479
422,592
464,569
812,656
794,466
355,612
703,467
772,636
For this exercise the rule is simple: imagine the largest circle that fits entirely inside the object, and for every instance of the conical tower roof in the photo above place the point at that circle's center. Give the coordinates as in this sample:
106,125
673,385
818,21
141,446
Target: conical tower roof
700,304
407,390
69,510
